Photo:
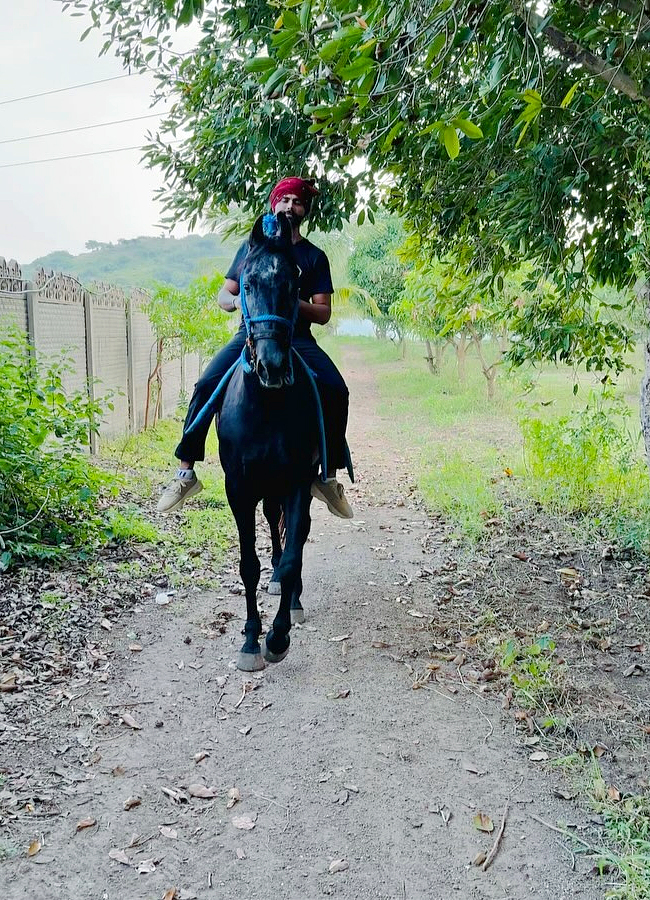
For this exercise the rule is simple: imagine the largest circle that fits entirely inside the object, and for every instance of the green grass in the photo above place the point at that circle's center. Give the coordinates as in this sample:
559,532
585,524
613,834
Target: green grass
470,453
144,462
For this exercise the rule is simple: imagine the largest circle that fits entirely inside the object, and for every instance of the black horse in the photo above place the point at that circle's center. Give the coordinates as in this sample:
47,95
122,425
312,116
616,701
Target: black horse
269,433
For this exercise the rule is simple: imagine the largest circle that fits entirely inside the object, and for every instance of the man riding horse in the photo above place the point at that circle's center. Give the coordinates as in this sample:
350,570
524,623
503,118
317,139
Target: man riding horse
292,196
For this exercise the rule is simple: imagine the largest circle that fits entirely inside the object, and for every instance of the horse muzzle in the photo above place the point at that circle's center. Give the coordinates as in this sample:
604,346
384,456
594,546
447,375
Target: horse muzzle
274,377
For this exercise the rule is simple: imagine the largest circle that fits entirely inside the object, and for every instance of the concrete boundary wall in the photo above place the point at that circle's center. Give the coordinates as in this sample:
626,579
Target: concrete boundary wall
108,340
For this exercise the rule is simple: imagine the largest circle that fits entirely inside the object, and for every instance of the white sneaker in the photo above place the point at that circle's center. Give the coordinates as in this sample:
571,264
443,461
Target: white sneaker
331,492
177,492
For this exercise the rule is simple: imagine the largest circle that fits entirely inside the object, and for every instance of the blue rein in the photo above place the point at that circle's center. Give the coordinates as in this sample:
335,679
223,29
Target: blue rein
249,321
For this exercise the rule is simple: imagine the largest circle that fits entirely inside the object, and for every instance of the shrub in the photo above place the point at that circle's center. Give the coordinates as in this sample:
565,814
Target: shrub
588,463
49,490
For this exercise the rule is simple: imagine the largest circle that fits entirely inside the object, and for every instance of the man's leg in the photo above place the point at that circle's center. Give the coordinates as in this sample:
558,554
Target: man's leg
191,448
334,398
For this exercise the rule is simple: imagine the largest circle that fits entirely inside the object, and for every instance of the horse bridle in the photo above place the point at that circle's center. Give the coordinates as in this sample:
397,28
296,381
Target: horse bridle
283,334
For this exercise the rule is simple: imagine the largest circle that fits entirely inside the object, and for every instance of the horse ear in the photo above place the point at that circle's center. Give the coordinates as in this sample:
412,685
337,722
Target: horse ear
257,234
285,227
271,227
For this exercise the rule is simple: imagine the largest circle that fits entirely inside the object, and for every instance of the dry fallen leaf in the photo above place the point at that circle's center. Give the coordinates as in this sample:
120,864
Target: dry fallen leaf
244,823
634,669
613,793
171,894
470,768
380,645
479,859
175,795
131,802
135,648
119,856
118,770
240,853
128,719
246,729
351,787
201,791
538,756
199,757
168,832
146,867
106,625
341,637
483,822
339,865
86,823
34,848
564,795
233,797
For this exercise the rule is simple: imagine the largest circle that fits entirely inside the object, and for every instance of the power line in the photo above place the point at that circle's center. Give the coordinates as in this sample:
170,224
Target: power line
33,162
32,137
73,87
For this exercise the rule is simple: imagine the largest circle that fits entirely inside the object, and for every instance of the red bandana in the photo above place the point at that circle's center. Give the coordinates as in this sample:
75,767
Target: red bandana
304,190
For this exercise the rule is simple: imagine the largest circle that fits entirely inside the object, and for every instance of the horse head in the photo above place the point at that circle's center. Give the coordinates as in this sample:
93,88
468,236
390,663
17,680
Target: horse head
269,295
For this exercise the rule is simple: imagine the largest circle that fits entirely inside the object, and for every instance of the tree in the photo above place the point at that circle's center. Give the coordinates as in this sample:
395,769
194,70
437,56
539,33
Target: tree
497,134
376,272
188,321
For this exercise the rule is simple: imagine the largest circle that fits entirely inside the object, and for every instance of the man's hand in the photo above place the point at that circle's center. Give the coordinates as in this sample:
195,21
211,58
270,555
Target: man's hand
228,297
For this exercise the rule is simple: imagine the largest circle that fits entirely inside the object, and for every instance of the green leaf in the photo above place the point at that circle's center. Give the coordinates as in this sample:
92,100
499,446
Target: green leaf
359,66
568,97
435,47
275,80
434,126
305,14
392,134
451,142
259,64
330,49
187,13
469,128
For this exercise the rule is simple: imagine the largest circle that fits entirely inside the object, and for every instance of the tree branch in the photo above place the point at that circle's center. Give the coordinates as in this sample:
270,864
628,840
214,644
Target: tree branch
577,55
640,11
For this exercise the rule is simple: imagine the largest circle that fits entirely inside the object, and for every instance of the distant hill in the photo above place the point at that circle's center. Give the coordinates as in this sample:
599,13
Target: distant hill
142,261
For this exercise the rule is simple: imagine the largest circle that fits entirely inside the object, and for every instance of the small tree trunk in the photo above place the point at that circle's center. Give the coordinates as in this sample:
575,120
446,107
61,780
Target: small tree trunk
461,356
491,377
432,362
489,371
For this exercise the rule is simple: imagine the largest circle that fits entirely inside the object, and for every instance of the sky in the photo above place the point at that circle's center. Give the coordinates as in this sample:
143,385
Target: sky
60,205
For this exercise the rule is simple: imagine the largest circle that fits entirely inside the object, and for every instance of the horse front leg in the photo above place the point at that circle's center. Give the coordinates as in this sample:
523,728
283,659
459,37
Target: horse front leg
298,522
272,513
250,656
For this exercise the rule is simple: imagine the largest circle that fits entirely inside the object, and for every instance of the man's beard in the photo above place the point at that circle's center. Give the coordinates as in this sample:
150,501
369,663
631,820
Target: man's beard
295,220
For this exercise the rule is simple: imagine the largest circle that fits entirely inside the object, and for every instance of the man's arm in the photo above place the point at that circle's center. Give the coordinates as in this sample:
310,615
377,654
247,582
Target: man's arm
319,311
228,296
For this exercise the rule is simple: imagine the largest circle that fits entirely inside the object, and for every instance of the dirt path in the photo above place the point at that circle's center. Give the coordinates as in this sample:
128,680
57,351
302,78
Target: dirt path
333,754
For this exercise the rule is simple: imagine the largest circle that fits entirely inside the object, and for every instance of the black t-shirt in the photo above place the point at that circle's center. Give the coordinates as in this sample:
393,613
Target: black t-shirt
315,276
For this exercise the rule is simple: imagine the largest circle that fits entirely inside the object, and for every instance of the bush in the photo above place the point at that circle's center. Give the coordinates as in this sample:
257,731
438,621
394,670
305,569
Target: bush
49,490
588,463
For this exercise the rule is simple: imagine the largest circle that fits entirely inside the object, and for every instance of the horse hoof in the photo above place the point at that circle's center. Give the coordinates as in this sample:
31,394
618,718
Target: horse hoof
250,662
274,588
272,657
297,616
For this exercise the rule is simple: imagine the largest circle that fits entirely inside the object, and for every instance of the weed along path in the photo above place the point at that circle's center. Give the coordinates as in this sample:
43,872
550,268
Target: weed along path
366,765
